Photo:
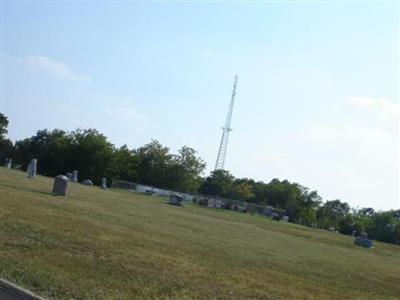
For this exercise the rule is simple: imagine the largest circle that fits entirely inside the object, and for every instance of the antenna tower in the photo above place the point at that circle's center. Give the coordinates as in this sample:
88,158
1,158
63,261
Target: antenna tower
219,165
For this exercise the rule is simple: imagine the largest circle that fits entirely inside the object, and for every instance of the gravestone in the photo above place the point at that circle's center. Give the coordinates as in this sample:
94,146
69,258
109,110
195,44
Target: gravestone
31,170
34,166
176,200
87,182
8,163
104,183
75,176
363,240
60,185
69,176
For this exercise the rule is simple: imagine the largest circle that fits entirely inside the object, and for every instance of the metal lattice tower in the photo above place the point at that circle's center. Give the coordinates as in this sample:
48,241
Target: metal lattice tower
219,165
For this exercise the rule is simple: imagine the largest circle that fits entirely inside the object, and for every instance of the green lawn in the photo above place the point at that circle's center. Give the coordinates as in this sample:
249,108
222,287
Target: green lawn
116,244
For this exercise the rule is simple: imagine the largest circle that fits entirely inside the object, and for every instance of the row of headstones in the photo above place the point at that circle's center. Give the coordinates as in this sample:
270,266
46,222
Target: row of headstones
8,164
60,184
30,170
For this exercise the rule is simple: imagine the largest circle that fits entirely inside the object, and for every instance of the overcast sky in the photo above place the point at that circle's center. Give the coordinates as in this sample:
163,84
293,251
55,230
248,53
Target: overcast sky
317,99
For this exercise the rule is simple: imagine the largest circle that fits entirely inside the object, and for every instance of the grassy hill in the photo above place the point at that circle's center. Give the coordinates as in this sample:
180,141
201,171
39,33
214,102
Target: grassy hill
116,244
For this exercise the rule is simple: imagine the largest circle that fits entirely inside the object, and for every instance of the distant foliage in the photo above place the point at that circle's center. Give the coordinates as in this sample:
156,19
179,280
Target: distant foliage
6,146
89,151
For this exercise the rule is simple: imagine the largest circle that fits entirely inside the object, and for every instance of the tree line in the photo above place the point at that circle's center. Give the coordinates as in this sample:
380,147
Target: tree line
90,152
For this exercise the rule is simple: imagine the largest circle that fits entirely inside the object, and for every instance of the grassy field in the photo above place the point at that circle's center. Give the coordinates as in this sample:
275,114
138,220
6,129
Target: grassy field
116,244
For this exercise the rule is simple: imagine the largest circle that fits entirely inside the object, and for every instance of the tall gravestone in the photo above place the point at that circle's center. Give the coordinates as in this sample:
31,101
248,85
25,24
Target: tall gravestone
34,165
75,176
60,185
8,163
104,183
31,170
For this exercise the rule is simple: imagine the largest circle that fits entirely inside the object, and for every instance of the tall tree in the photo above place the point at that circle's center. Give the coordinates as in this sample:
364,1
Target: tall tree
6,146
3,126
153,161
219,183
124,164
184,171
91,154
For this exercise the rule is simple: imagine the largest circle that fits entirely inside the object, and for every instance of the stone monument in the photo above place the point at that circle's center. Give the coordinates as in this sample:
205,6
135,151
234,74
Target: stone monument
87,182
104,183
34,166
75,176
363,240
31,170
69,176
60,185
8,163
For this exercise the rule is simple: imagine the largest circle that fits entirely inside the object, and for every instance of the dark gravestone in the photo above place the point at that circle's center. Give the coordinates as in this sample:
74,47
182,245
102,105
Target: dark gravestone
60,185
363,240
87,182
175,200
359,241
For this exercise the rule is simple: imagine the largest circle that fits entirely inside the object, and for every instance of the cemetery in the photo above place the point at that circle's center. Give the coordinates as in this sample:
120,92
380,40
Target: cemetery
204,200
115,244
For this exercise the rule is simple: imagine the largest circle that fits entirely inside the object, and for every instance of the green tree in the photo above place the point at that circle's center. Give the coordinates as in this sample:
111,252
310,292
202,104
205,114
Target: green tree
51,148
331,213
3,126
241,190
184,171
219,183
124,164
91,154
153,161
6,146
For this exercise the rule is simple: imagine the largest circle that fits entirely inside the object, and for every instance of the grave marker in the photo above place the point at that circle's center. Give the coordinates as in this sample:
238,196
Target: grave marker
104,183
87,182
75,176
60,185
31,170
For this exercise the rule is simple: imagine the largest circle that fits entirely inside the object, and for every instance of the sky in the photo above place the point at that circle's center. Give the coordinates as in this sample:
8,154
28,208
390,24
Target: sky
317,99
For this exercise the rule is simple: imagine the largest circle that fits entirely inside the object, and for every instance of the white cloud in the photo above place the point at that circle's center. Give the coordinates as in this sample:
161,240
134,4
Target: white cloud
52,67
385,108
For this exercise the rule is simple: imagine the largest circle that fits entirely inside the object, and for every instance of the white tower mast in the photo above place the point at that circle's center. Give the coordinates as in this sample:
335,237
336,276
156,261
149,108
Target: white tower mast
220,163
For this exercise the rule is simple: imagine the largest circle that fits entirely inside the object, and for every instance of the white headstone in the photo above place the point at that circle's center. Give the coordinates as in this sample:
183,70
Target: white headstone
34,165
29,170
87,182
8,163
104,183
75,176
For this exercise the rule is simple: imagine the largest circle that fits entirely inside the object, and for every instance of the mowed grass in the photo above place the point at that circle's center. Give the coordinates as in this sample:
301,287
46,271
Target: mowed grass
116,244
